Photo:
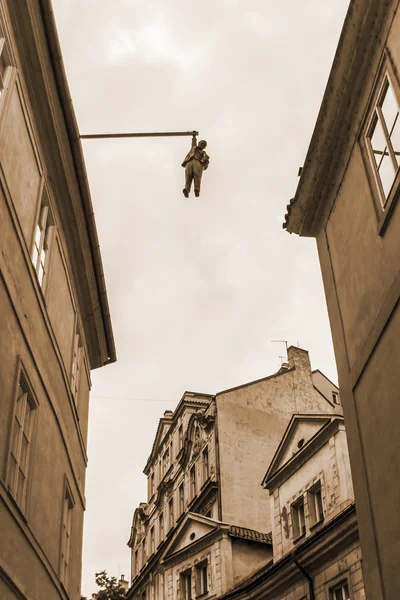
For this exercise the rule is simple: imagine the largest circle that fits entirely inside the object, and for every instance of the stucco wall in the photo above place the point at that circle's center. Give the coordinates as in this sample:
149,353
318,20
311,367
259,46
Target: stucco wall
248,557
251,423
37,327
330,466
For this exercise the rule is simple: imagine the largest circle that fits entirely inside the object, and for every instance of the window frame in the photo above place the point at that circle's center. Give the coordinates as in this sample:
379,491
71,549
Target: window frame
335,584
76,362
152,540
316,516
297,531
201,568
205,455
184,577
193,482
31,398
181,492
161,532
171,513
66,534
9,69
45,225
383,205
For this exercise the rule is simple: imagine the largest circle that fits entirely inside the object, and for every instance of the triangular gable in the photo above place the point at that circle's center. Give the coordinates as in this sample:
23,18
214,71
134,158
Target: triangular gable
300,430
192,529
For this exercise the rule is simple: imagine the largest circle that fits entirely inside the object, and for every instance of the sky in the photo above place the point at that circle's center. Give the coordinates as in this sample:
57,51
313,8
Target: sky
200,287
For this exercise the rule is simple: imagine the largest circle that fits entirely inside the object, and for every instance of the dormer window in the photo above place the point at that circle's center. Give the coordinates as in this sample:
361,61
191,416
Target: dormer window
298,518
335,398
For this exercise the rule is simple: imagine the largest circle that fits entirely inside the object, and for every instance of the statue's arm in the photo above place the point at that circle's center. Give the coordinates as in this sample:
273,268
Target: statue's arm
194,141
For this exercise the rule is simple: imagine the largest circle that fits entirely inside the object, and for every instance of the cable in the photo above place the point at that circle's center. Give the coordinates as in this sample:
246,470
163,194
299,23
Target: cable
134,399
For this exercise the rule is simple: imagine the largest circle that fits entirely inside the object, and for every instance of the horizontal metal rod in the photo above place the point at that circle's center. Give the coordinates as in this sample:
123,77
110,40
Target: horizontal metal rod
98,136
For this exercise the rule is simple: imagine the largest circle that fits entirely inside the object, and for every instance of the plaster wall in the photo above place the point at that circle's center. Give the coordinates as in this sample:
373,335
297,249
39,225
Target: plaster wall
37,327
364,264
343,566
360,268
251,423
330,466
248,557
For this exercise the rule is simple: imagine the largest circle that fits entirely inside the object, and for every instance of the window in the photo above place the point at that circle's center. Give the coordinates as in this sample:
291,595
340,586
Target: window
41,243
180,437
171,513
181,498
206,472
136,562
4,65
152,541
383,138
193,490
152,485
298,520
201,578
21,443
144,555
161,526
68,505
76,365
186,585
335,398
315,504
165,462
340,591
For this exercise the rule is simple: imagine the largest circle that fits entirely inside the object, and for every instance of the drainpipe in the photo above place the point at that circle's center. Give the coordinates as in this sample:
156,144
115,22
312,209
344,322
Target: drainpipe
306,575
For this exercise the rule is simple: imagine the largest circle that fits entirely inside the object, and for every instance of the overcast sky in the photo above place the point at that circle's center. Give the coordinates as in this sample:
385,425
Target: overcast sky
197,287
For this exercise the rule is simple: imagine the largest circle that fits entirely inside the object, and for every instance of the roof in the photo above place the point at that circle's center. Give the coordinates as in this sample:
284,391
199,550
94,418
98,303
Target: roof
188,399
250,534
322,421
340,115
80,171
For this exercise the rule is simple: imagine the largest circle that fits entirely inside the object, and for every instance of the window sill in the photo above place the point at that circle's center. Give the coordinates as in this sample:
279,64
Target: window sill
389,206
299,537
315,525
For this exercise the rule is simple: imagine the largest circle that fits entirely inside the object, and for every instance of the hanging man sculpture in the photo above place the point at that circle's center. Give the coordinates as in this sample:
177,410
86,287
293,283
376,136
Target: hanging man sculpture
196,161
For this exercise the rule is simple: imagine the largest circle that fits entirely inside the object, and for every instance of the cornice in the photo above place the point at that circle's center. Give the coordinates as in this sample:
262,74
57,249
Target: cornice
277,577
364,31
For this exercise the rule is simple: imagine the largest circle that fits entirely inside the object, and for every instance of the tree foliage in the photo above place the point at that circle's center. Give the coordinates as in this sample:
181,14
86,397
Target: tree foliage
109,587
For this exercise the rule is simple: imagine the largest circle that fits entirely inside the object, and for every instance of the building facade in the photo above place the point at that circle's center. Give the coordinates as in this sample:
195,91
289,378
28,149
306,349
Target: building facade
54,318
206,508
316,548
347,198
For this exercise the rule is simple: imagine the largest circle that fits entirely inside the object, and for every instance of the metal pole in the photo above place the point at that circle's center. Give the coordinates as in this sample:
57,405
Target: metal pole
98,136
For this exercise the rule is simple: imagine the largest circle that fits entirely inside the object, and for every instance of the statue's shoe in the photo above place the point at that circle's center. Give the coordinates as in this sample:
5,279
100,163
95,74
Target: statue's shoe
185,193
197,193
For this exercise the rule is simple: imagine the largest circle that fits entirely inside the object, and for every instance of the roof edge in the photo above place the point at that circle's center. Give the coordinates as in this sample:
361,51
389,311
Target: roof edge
67,108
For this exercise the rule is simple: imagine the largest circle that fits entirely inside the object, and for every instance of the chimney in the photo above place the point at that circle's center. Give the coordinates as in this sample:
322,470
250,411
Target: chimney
168,414
299,359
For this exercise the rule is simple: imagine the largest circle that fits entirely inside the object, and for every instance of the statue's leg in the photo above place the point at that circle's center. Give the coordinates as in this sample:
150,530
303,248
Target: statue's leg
188,178
197,173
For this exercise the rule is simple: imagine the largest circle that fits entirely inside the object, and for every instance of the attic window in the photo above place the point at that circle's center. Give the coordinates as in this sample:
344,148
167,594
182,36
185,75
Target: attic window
300,443
335,398
315,504
192,535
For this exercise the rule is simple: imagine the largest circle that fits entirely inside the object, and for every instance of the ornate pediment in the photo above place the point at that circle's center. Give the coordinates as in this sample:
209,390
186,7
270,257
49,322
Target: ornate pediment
199,426
192,529
139,524
164,489
300,432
